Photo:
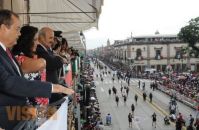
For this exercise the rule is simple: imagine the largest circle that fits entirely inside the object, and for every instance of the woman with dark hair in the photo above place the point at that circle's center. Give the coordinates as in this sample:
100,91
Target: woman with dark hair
64,45
64,50
57,49
24,51
26,43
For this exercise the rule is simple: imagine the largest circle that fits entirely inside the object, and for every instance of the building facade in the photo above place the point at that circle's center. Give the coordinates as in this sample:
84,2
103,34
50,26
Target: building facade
156,51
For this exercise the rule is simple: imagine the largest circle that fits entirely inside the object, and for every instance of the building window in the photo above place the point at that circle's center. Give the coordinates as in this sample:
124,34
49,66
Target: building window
158,54
178,54
139,54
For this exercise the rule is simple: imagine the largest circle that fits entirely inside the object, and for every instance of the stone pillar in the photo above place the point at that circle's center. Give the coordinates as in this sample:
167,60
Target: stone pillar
148,56
18,6
1,4
168,54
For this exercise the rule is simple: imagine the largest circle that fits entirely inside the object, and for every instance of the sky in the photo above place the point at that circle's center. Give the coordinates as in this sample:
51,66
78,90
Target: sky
121,18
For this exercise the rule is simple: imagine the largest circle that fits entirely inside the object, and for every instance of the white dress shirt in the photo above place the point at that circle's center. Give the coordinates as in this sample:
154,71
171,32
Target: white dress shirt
4,48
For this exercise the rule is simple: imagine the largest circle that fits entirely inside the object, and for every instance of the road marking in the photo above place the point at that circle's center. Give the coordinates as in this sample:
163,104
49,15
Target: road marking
157,108
102,89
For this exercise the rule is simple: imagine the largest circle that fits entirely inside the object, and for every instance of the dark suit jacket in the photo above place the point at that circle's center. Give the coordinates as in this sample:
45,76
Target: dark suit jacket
15,89
53,63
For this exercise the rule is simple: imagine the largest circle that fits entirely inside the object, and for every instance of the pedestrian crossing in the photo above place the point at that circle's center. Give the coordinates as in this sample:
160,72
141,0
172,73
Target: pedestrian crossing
141,80
133,81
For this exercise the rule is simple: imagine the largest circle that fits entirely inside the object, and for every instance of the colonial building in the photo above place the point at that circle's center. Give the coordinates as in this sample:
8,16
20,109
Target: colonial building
156,51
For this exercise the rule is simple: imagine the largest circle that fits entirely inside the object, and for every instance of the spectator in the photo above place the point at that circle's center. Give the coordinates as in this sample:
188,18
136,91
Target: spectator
33,67
53,63
108,119
196,124
191,120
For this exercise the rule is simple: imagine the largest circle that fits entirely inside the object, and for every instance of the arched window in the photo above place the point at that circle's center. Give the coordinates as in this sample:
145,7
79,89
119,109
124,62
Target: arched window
139,54
158,54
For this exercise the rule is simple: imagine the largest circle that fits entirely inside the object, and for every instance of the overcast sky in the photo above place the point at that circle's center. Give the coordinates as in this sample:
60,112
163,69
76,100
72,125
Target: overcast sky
141,17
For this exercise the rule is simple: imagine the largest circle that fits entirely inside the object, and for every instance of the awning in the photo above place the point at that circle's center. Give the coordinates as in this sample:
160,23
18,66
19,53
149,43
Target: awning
74,40
68,16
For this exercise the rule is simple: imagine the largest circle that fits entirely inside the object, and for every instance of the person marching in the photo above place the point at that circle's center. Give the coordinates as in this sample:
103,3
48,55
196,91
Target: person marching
139,84
121,88
128,81
127,91
113,79
132,109
125,99
117,99
154,119
130,120
144,96
136,98
109,91
150,97
102,79
143,86
114,90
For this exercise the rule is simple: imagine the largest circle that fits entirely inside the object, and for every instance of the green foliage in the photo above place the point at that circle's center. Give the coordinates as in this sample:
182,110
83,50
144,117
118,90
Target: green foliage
190,33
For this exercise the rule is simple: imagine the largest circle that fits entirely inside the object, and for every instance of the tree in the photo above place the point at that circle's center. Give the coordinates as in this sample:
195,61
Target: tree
190,33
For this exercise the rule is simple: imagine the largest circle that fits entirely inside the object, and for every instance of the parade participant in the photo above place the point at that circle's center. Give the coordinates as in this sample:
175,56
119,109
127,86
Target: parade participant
117,99
130,120
109,91
136,98
150,97
154,118
127,91
125,99
132,108
144,96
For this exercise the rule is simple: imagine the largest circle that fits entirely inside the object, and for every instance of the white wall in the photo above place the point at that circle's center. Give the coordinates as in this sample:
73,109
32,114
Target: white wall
18,6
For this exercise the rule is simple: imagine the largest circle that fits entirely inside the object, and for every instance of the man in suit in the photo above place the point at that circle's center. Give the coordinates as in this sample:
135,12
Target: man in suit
14,89
53,62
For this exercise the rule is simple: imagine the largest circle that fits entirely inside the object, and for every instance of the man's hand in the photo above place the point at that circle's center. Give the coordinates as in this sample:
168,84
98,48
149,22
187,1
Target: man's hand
61,89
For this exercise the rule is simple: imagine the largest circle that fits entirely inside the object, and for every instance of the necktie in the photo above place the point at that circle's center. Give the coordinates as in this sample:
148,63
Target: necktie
11,58
9,54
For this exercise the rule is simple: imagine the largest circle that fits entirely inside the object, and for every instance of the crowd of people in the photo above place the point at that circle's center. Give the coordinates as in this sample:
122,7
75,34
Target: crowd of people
188,86
93,115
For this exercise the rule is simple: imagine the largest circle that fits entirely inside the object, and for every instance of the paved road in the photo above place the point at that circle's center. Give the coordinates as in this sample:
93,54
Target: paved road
143,111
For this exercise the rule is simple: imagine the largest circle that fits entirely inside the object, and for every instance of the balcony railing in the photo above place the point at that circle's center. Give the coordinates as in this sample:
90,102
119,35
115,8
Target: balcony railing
158,57
33,123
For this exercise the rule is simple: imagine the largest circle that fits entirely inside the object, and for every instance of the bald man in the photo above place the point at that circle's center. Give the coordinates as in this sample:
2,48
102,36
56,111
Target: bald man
53,63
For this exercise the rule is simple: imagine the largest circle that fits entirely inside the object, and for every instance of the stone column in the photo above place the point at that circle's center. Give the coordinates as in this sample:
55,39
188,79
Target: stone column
148,56
168,53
